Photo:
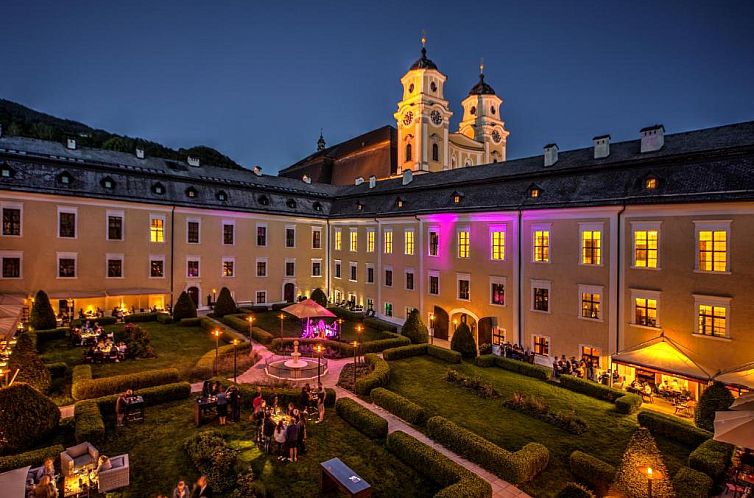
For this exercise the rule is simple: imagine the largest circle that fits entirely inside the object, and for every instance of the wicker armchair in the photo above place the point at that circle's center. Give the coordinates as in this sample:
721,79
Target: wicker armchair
77,457
116,477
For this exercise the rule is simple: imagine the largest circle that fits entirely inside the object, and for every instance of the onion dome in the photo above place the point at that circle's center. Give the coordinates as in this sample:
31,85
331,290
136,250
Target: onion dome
482,88
423,62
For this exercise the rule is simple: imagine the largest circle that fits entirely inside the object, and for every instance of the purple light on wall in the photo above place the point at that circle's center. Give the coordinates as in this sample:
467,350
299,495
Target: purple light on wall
317,329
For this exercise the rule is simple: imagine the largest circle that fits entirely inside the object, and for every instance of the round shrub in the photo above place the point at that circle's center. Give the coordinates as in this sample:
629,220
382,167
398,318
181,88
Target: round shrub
415,329
42,317
27,417
319,297
184,307
463,341
213,457
225,304
715,398
31,368
628,403
137,341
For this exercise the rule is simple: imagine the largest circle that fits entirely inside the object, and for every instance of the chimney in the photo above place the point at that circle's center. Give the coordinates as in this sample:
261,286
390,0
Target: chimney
140,152
359,180
551,154
307,179
257,170
372,181
193,161
601,146
408,176
71,143
652,138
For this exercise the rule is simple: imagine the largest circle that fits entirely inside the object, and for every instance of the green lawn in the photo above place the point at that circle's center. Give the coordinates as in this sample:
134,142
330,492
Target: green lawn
158,460
270,322
421,379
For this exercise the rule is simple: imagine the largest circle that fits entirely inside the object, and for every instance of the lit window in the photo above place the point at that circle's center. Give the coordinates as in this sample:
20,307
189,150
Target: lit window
229,268
497,239
408,242
158,188
645,248
591,304
645,311
541,345
261,235
650,183
359,206
534,192
157,267
591,247
388,241
192,268
542,246
457,197
712,320
434,242
463,243
338,240
12,221
370,241
591,355
221,196
399,202
389,306
713,250
191,192
157,229
497,291
354,241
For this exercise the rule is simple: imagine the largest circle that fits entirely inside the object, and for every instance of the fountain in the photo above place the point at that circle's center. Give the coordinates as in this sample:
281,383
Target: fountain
295,361
293,368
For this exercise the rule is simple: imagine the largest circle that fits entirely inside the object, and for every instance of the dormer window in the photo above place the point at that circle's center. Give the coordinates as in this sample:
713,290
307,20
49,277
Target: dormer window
108,183
650,183
291,203
6,171
359,206
65,178
264,200
317,206
457,197
221,196
399,202
191,192
158,188
535,192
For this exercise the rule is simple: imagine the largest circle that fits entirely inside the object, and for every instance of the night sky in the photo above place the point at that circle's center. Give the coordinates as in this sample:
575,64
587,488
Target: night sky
257,80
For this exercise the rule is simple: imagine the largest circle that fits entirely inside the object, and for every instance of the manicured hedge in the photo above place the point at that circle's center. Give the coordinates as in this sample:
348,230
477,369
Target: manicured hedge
378,324
50,334
457,481
523,368
399,406
592,471
574,490
365,420
628,403
404,352
344,348
711,457
152,396
347,314
95,388
227,333
103,320
89,424
515,467
690,483
485,360
446,355
378,377
34,458
205,365
26,417
673,428
391,341
164,318
58,369
239,323
591,388
253,309
81,373
189,322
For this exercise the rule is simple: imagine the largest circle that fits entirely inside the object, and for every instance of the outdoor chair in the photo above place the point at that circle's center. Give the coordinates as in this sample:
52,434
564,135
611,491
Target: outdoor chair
77,457
116,477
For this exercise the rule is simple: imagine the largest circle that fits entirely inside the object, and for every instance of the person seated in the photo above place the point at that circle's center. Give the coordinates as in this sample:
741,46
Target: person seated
45,488
47,469
290,409
201,488
181,490
103,463
122,349
82,316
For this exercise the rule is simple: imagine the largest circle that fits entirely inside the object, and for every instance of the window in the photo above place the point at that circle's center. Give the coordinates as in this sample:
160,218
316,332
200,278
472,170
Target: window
316,238
712,316
434,283
191,192
408,242
221,196
263,200
192,231
712,246
229,233
435,152
107,183
114,266
65,178
316,268
158,188
11,261
337,269
434,242
354,272
12,221
370,274
290,267
408,152
645,311
157,267
261,297
67,222
463,243
370,240
646,245
6,171
388,277
541,345
535,192
291,203
497,291
262,235
399,202
114,225
497,241
456,197
261,267
290,236
591,244
650,183
156,228
317,206
498,335
353,240
67,265
409,279
388,236
541,244
590,298
464,286
540,295
229,267
192,267
591,354
389,307
338,239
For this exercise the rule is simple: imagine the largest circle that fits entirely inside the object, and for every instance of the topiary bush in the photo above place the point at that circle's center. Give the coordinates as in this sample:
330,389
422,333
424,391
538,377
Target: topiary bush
190,322
57,370
81,373
592,471
628,403
32,458
378,377
50,334
141,317
711,457
225,304
404,352
414,328
213,457
673,428
715,398
31,368
42,317
399,406
184,307
574,490
164,318
463,341
137,340
378,323
239,323
89,423
641,452
319,297
365,420
485,360
523,368
690,483
27,416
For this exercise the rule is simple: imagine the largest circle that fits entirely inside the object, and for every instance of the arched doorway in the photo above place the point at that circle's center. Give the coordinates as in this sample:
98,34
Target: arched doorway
193,293
441,323
462,315
289,292
486,325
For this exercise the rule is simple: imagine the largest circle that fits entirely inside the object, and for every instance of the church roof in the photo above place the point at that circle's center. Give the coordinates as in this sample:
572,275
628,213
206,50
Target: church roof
423,62
481,88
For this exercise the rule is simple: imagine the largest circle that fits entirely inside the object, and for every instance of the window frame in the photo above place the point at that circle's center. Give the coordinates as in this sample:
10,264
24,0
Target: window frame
406,273
12,255
467,245
317,230
285,269
592,227
645,294
370,266
353,266
493,230
152,258
311,267
337,269
463,277
715,302
231,260
540,284
498,280
293,228
433,274
75,212
257,261
232,224
338,239
646,226
548,344
266,228
198,260
387,241
115,257
198,222
409,242
592,289
371,236
713,226
67,255
353,240
12,205
436,231
386,269
256,296
115,213
541,227
153,217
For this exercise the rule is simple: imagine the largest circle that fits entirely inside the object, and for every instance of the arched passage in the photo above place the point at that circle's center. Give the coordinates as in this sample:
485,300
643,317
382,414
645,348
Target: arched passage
440,323
193,293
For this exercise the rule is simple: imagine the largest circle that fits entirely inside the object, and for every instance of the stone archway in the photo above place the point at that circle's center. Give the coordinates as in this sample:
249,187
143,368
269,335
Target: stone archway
462,315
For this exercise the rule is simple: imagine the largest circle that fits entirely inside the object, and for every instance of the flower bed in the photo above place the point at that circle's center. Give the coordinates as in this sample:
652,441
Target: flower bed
480,388
537,408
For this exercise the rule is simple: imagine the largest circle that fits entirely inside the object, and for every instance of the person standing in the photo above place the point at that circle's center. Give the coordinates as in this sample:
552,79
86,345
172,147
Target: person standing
321,403
181,490
234,400
222,406
256,403
280,438
120,407
201,488
301,433
291,436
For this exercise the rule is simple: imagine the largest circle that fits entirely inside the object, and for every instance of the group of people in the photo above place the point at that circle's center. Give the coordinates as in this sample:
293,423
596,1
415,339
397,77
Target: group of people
227,401
201,489
583,368
516,352
42,481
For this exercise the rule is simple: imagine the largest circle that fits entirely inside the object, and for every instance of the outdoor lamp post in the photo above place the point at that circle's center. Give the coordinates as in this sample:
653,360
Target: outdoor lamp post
251,322
214,296
431,328
652,475
282,317
340,328
235,361
359,330
217,333
318,349
355,345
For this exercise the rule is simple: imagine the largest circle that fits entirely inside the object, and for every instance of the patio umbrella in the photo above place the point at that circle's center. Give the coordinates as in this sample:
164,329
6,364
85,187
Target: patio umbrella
13,482
735,427
308,309
745,402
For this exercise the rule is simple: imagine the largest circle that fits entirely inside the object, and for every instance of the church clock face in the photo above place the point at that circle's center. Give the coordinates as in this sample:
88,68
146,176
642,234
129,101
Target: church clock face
496,136
408,118
436,117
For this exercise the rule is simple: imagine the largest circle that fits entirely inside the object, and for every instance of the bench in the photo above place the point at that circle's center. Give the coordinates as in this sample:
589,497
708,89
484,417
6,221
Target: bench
336,474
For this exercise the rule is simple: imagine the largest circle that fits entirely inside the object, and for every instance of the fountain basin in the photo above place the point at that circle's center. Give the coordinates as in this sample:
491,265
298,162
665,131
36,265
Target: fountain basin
295,369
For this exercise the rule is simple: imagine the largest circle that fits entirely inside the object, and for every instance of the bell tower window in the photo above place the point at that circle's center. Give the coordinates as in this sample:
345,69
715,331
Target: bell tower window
435,152
408,152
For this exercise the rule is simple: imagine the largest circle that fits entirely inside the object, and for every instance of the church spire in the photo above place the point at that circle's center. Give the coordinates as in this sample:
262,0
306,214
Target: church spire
321,142
423,62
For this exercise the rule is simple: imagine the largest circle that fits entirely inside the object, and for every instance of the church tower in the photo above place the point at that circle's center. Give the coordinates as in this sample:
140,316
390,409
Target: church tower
422,118
482,121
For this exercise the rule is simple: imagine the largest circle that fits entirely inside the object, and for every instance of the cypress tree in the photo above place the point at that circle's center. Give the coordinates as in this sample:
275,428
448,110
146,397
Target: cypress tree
184,307
415,329
225,304
463,341
42,317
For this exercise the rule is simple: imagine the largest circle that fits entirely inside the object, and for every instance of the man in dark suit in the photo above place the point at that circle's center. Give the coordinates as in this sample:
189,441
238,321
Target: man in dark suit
201,488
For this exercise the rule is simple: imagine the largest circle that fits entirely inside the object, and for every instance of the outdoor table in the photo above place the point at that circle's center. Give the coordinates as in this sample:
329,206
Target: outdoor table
336,474
77,485
203,405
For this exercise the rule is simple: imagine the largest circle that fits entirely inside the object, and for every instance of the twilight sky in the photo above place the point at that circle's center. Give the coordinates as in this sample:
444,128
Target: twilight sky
257,80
